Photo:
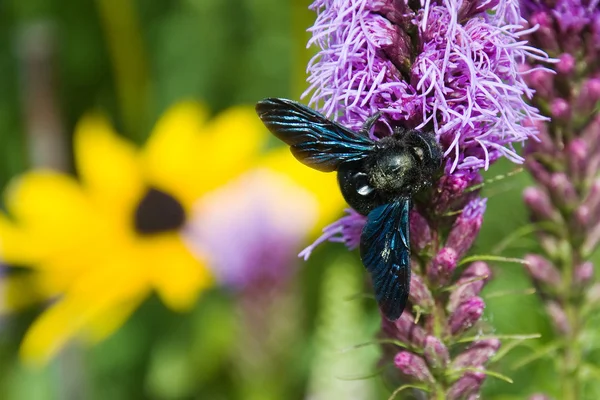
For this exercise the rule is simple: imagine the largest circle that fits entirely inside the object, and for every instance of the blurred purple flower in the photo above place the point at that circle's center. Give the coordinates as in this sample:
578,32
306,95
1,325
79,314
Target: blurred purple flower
251,226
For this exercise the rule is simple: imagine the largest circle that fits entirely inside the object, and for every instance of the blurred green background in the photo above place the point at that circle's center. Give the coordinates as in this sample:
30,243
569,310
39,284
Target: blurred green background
133,59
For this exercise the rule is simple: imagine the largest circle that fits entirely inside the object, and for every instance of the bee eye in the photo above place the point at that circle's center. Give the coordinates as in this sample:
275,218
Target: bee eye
419,152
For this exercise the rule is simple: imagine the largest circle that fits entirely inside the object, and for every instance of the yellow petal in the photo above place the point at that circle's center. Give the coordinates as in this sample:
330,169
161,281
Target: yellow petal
176,274
322,185
238,136
108,166
85,307
52,216
175,156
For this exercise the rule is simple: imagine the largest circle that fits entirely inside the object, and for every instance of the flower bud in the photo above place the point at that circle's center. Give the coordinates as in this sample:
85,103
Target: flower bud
469,284
413,366
566,64
588,96
539,396
405,329
583,273
591,134
577,155
419,294
560,109
442,266
562,190
477,355
450,190
420,233
436,353
466,315
540,205
537,170
592,202
542,81
542,270
466,227
558,317
469,384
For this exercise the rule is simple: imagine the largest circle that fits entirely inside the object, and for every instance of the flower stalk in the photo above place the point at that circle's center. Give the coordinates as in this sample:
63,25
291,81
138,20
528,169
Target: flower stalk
563,203
449,67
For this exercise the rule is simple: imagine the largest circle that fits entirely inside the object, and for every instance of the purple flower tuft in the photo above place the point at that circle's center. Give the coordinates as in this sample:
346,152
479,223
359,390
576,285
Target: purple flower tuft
463,82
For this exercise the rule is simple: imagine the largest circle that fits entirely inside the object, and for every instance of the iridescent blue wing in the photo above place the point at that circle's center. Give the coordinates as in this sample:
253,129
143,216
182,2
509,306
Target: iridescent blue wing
385,252
314,140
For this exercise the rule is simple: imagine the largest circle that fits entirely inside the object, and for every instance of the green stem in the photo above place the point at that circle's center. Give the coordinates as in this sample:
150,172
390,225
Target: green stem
126,47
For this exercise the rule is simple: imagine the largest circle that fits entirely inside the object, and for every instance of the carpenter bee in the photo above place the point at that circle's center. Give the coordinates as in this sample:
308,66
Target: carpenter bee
377,178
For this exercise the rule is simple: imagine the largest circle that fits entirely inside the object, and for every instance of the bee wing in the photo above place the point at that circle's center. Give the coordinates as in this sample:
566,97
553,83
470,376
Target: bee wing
385,252
314,140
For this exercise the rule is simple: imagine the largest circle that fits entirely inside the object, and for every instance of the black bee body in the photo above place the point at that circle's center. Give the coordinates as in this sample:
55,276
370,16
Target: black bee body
399,166
377,178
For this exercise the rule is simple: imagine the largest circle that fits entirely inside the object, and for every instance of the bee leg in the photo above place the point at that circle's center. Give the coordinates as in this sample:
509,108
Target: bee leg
366,128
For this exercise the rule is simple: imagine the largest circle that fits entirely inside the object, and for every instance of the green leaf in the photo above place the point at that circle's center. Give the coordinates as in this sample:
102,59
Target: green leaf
490,257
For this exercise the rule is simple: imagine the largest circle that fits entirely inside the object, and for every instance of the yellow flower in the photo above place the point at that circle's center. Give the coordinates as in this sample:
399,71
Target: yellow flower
103,243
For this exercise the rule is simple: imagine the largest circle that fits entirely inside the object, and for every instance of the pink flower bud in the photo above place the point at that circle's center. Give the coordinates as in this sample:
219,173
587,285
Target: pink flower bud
405,329
588,96
539,172
469,384
558,317
562,190
442,266
413,367
466,227
436,353
591,134
592,202
420,233
583,273
466,315
419,294
566,64
539,396
477,355
542,81
542,270
560,109
577,155
540,205
470,283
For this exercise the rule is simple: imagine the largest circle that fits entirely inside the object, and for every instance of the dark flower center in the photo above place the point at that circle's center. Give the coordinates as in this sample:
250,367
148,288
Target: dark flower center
158,212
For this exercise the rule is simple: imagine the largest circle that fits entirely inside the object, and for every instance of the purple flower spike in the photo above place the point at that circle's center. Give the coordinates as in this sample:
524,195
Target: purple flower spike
466,315
442,266
436,353
466,227
413,366
469,384
478,354
471,282
542,270
562,189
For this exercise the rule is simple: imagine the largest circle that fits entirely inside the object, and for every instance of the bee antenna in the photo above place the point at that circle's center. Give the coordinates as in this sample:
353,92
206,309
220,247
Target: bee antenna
366,128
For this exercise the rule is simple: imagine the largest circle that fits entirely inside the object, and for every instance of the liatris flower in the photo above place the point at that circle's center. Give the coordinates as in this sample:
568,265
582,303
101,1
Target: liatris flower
450,67
564,202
